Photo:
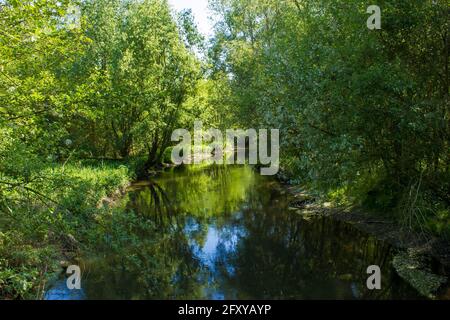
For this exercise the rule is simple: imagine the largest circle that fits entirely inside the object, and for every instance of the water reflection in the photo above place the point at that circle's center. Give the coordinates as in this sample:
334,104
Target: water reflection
226,233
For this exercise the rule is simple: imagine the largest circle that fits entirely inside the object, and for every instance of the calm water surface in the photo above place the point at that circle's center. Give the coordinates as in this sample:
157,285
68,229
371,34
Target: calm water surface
227,233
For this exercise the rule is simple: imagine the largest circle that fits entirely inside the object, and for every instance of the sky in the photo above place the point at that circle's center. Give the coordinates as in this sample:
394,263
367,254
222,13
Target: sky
200,11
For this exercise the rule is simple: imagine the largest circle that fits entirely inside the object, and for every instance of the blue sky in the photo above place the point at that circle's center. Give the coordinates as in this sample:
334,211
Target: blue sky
200,11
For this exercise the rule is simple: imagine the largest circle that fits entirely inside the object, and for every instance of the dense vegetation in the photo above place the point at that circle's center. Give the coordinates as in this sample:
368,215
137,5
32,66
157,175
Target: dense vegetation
91,90
88,80
364,113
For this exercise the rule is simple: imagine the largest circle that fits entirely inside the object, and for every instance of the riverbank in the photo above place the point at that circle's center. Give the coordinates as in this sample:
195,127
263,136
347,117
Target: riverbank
423,259
51,220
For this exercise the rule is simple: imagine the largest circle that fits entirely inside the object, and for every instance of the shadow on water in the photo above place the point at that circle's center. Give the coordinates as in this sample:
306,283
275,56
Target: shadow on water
221,232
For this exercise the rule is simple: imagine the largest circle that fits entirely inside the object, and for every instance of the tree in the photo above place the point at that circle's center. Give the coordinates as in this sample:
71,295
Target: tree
361,111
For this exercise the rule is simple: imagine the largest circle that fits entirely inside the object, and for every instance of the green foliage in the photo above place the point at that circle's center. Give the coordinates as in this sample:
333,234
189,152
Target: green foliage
167,155
359,110
77,93
363,114
23,266
136,76
38,219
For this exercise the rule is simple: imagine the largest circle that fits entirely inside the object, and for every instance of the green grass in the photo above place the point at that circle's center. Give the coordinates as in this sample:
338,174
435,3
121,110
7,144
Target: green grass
40,220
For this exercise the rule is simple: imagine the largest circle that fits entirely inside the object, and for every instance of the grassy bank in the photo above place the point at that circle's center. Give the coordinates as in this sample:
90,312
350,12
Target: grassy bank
48,218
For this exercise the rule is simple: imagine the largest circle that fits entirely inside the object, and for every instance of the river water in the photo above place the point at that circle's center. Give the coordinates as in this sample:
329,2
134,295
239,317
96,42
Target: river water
225,232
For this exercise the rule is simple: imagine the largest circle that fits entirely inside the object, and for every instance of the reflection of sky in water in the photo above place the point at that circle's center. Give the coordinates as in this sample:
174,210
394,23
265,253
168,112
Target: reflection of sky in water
59,291
219,243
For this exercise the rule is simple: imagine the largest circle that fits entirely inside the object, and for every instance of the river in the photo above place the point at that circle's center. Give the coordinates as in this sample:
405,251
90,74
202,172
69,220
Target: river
225,232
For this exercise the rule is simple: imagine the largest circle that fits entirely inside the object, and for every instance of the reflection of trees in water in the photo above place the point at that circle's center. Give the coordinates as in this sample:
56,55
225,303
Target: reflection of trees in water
154,203
262,250
161,263
283,256
145,266
150,255
210,192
